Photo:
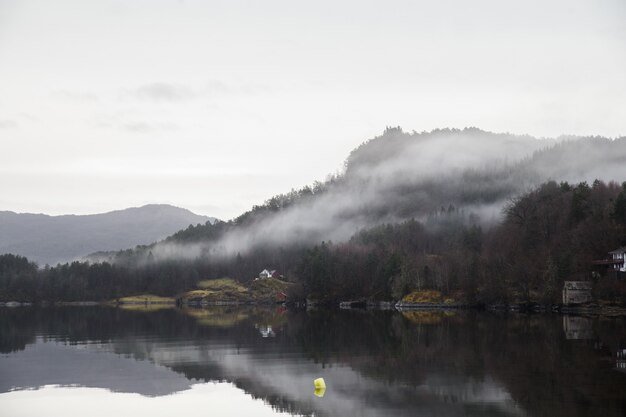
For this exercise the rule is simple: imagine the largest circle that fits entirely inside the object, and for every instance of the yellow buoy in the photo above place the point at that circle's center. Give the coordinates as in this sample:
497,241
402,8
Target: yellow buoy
320,387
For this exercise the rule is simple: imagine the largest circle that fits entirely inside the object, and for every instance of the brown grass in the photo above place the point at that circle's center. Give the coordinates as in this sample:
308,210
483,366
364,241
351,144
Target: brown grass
425,297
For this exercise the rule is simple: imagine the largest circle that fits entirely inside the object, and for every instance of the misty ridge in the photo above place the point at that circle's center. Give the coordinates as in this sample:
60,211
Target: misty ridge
469,174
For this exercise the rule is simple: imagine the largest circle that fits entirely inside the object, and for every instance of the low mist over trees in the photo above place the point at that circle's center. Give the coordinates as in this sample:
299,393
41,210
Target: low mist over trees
548,235
400,176
472,214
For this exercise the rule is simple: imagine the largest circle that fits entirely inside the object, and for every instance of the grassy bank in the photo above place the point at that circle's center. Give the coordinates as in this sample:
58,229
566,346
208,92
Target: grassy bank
227,290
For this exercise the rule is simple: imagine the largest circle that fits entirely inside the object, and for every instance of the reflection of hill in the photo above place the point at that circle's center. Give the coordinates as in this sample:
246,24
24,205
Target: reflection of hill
61,364
427,316
218,316
230,315
422,363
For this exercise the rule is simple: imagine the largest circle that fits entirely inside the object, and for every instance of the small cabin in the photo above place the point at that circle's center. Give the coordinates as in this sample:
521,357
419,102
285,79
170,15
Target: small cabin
618,256
267,274
577,292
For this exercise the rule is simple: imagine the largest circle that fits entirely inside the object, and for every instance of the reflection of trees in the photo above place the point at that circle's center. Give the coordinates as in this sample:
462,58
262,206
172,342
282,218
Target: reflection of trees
549,375
16,330
546,374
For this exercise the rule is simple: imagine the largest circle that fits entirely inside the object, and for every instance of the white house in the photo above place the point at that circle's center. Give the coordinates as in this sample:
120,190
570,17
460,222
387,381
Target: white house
266,274
619,256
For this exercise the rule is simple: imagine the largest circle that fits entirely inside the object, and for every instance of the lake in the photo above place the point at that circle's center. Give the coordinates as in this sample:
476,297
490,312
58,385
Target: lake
251,361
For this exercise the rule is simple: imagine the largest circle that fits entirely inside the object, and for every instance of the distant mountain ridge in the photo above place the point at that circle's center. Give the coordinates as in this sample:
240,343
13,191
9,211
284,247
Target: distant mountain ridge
50,239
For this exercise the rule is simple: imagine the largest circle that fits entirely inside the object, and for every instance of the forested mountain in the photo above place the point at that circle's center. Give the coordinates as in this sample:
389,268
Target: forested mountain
51,239
477,216
401,176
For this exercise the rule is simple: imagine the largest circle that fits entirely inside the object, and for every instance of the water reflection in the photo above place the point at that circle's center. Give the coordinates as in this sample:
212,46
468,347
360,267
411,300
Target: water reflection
374,363
578,328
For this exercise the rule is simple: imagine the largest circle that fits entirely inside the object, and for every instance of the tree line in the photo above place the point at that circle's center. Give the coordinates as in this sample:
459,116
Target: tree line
548,235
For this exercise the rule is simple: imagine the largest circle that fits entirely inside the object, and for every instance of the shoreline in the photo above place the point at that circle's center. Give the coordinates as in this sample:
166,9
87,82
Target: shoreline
582,310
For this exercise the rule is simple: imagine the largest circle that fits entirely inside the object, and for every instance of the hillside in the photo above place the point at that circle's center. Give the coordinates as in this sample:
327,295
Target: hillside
51,239
400,176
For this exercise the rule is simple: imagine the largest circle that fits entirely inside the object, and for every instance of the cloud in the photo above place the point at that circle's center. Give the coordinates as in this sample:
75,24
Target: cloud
8,124
174,92
164,92
77,96
129,122
215,87
146,127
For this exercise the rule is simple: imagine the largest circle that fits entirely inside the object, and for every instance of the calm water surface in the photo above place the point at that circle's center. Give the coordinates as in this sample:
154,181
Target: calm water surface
239,361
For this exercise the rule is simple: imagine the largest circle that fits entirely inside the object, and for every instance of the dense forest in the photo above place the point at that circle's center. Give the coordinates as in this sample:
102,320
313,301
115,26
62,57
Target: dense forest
546,236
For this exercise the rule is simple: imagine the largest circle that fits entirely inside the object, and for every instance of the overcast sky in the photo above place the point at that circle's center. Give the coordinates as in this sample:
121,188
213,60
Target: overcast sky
218,105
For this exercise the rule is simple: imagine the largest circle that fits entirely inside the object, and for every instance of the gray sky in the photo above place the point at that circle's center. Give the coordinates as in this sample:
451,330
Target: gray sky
218,105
